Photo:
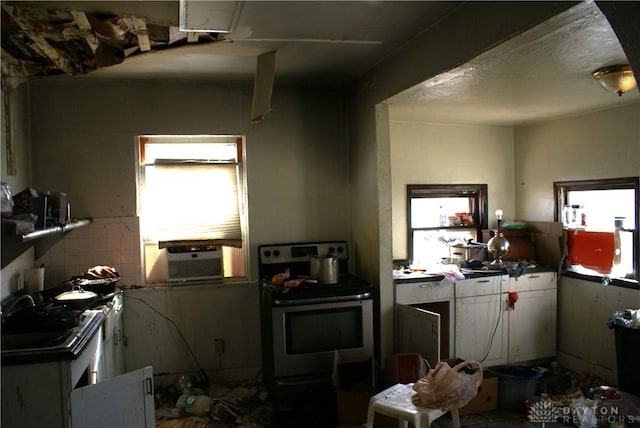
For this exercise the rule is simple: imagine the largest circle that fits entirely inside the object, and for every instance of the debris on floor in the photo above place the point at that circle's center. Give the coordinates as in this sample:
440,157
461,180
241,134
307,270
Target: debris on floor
188,405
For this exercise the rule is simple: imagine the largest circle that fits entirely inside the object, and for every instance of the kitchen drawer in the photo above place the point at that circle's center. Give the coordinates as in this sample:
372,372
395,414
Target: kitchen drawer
533,281
481,286
420,292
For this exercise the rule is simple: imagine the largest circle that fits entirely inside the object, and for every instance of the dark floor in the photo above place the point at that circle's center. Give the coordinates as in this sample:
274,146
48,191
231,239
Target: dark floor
247,405
623,410
492,419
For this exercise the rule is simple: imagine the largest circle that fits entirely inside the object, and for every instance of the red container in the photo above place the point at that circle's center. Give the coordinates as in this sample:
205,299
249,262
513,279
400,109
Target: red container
593,250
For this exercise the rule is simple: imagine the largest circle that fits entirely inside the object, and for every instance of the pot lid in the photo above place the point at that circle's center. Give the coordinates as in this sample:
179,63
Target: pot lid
77,293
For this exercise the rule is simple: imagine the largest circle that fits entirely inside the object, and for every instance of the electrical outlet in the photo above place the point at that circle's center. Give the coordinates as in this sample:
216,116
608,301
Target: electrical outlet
219,346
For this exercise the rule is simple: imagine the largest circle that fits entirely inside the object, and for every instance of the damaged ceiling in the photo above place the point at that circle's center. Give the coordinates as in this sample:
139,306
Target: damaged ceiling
543,73
316,41
40,41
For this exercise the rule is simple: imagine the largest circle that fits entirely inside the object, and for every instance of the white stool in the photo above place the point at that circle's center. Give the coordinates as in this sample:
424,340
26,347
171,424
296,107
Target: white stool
396,402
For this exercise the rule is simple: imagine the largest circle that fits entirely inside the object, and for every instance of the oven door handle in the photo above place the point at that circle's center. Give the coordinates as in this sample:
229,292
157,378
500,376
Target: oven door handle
316,300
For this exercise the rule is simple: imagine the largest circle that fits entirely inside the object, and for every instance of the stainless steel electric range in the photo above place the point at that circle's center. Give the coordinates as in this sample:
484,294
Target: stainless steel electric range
305,323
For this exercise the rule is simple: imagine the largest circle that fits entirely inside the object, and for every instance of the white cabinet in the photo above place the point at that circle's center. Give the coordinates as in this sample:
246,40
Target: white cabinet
472,319
480,320
37,394
424,319
532,319
88,391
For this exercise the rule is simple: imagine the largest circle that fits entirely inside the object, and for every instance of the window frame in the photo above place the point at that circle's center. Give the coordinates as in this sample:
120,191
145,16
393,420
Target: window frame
240,163
480,216
560,190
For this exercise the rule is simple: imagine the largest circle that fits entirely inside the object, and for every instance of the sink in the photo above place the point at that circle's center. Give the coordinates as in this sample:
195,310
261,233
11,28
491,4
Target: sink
30,344
32,340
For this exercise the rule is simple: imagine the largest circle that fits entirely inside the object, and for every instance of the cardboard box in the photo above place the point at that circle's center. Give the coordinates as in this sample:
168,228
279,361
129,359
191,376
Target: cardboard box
404,368
487,398
548,238
354,380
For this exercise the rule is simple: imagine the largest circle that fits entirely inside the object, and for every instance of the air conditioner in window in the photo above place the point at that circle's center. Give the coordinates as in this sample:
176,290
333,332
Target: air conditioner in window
194,262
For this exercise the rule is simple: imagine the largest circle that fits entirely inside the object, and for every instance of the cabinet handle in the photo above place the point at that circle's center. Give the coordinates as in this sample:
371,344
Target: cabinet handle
425,286
534,276
483,280
148,382
116,337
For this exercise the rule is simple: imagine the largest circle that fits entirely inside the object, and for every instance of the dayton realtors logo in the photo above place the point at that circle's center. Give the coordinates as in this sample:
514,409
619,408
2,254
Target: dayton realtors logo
579,415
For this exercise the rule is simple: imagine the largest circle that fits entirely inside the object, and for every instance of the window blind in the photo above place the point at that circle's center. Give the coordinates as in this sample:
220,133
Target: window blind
192,201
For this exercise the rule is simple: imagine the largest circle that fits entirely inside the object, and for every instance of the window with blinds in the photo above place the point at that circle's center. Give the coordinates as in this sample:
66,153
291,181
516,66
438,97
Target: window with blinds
191,191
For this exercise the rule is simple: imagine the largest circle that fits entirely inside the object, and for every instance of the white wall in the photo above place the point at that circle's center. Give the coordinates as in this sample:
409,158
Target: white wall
604,144
110,241
470,30
423,153
585,343
15,139
83,139
201,313
83,142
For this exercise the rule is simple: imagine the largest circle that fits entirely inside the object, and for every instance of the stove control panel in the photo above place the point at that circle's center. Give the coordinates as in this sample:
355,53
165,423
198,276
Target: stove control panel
290,253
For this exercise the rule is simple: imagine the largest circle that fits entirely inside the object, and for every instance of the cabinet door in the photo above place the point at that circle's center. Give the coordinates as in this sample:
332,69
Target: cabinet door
479,326
418,331
532,321
124,401
113,350
532,326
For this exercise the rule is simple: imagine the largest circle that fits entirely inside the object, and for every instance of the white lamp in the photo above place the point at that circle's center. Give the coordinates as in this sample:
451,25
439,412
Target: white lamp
498,246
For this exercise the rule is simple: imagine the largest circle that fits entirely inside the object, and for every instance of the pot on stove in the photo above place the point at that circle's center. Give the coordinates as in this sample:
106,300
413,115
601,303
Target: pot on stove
76,298
326,269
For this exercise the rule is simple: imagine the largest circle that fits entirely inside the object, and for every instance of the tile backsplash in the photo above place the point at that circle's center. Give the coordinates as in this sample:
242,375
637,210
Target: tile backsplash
111,241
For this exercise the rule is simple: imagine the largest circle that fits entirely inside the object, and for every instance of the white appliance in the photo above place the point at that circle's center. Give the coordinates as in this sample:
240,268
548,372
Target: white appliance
194,262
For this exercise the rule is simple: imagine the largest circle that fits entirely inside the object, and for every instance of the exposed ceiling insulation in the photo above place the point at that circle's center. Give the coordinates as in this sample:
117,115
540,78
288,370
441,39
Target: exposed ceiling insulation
540,74
40,42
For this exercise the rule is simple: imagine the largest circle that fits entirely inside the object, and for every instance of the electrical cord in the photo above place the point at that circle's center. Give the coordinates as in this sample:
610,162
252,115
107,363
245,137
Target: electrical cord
495,328
201,370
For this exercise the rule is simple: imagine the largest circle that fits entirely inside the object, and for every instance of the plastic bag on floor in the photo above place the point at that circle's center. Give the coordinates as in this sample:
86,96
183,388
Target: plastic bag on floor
446,387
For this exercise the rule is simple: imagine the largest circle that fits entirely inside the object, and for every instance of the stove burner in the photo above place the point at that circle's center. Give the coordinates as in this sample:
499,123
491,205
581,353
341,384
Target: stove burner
349,287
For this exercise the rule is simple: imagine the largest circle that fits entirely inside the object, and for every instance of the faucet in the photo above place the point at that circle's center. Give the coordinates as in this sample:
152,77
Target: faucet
13,304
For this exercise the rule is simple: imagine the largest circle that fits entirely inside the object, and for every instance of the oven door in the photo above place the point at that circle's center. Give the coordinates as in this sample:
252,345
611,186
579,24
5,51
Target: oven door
305,337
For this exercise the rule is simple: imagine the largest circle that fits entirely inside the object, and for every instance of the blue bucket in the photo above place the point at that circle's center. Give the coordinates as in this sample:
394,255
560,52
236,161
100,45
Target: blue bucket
516,385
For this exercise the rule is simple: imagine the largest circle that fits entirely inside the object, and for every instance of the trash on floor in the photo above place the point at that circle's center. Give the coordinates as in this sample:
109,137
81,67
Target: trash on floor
187,404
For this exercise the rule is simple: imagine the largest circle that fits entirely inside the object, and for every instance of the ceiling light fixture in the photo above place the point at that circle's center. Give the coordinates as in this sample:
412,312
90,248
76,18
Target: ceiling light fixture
616,78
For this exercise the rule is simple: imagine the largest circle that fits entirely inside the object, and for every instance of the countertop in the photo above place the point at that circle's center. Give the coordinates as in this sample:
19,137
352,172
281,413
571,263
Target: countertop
401,278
